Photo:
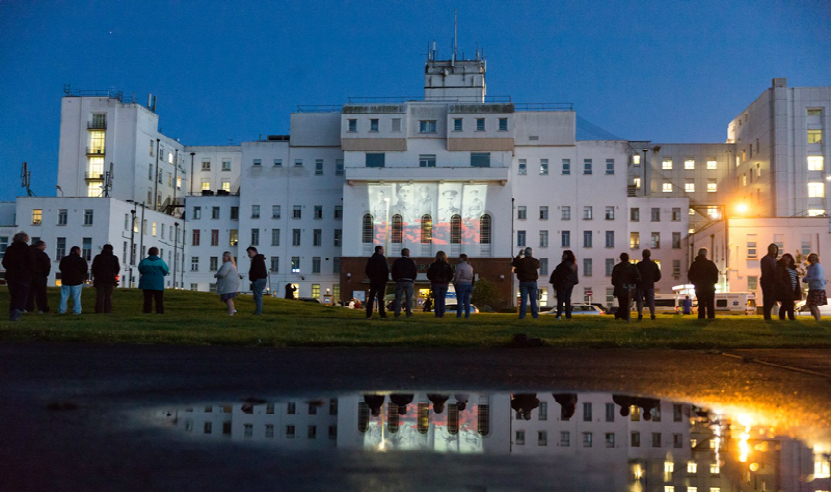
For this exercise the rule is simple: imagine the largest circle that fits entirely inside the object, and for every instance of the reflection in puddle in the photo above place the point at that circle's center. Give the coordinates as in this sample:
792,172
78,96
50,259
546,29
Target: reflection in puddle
637,443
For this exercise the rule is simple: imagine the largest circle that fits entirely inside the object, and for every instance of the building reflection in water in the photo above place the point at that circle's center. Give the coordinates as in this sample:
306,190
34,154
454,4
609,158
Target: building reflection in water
639,444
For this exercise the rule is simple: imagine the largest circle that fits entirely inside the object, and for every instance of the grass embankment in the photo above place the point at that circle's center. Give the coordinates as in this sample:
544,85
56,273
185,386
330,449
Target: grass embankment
198,318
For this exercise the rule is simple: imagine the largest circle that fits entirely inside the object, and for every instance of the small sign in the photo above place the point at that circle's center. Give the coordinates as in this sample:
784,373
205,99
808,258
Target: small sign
588,292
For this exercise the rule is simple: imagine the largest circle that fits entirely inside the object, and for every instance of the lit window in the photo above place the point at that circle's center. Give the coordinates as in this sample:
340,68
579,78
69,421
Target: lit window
815,163
814,212
712,187
636,159
814,136
714,469
667,164
37,216
666,187
711,164
637,183
692,467
816,190
689,187
226,185
689,164
814,112
634,240
206,185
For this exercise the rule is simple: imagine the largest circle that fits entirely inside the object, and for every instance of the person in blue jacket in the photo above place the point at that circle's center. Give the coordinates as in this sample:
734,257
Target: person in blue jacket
153,270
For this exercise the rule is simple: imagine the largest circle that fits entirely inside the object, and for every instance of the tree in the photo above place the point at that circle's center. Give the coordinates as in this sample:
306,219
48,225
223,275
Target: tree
485,294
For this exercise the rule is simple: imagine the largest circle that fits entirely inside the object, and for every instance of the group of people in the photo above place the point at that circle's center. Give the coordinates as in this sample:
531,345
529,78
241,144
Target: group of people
780,283
404,272
28,268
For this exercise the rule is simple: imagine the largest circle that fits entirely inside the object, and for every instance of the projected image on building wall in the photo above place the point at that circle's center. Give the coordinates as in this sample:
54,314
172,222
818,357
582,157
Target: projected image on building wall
438,213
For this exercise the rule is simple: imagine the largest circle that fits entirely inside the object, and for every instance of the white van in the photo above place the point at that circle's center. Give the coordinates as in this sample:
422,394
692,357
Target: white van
735,303
668,304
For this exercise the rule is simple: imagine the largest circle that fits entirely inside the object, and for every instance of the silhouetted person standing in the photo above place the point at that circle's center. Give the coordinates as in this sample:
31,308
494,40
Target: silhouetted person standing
105,268
404,272
767,281
787,288
290,290
378,272
563,279
41,267
258,276
17,260
704,275
650,273
73,273
526,268
625,278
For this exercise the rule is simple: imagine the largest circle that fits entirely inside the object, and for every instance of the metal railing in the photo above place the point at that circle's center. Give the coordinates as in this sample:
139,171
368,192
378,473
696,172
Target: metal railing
404,99
111,93
96,125
544,106
319,108
96,151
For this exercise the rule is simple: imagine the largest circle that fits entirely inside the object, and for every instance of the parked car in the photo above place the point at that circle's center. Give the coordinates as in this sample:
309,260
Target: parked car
802,310
582,310
452,308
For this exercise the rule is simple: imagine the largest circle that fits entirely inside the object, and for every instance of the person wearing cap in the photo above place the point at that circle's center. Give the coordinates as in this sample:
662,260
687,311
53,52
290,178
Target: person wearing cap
463,283
105,269
526,268
449,207
476,207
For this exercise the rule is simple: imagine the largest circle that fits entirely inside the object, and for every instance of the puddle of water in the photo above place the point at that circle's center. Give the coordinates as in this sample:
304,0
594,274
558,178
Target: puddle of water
625,442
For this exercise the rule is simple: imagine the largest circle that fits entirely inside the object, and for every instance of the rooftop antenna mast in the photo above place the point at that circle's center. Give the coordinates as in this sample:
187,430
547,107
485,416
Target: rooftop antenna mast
25,179
108,181
455,34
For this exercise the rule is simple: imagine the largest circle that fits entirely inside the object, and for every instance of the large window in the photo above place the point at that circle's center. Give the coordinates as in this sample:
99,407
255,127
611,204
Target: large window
456,229
480,159
37,216
375,160
634,240
427,160
565,239
426,229
427,126
816,190
814,136
485,229
816,163
367,231
397,229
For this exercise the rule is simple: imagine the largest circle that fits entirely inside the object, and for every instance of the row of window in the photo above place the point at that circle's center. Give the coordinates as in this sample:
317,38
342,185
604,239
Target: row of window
689,163
522,167
609,213
274,264
248,430
426,126
276,212
62,217
296,234
426,226
477,159
206,164
319,165
588,239
609,441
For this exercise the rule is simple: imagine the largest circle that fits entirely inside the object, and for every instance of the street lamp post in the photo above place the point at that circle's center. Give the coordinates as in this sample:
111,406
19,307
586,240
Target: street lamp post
387,223
132,244
175,251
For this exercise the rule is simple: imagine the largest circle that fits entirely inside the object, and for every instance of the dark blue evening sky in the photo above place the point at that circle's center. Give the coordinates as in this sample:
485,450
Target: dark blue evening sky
667,71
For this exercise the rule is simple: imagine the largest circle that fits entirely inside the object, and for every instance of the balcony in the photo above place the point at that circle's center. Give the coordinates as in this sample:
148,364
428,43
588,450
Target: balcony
95,150
94,176
97,125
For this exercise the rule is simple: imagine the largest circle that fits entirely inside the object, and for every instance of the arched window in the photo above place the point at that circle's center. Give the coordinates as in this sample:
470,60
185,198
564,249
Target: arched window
485,229
393,420
367,230
426,229
452,419
456,229
397,229
483,424
423,418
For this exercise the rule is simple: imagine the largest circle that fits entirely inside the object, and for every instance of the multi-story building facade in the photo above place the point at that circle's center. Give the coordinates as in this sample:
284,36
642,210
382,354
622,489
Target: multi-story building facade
457,172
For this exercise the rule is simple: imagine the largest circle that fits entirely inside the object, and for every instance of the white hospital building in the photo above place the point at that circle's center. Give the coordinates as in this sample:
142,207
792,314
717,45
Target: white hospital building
456,171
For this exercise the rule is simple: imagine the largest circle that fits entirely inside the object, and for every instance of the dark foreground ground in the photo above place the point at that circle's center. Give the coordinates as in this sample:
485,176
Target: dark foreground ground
66,410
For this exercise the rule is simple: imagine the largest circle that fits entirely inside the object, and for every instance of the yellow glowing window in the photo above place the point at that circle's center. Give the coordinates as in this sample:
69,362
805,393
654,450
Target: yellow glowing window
666,188
96,142
95,167
226,185
714,469
712,187
814,212
689,187
669,467
94,189
689,164
234,237
667,164
37,216
816,163
822,469
153,229
637,182
636,159
712,164
816,190
814,136
634,240
692,467
206,184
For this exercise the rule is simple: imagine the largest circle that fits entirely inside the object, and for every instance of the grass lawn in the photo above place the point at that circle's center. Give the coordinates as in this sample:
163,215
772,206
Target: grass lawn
198,318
